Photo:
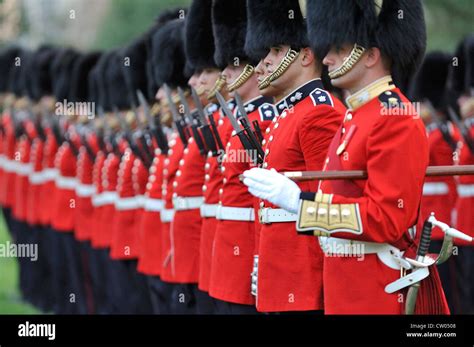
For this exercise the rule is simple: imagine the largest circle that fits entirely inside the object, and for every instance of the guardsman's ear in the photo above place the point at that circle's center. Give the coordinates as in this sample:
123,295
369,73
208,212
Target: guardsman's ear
372,57
307,56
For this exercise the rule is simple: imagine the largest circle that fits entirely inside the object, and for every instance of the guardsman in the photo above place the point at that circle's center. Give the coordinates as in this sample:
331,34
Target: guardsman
232,246
185,230
166,59
68,266
364,226
439,193
462,90
125,241
288,275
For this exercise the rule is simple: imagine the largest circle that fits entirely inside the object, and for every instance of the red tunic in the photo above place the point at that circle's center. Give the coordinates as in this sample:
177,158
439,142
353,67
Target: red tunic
234,241
47,192
385,205
7,193
36,182
108,216
439,193
64,202
22,184
170,167
125,237
465,202
98,207
213,179
150,224
290,266
85,190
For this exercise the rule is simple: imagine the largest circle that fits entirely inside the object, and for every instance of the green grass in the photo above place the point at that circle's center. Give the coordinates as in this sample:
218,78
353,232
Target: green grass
10,297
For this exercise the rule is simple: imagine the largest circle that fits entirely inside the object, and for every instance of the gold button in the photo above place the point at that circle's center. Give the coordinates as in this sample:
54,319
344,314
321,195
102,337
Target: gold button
311,210
346,213
322,211
334,212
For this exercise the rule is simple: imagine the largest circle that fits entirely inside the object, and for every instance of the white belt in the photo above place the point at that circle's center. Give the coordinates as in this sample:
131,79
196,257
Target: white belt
276,215
105,198
141,199
9,165
244,214
66,182
125,204
85,190
167,215
191,203
50,174
154,205
2,160
208,210
23,169
435,188
37,178
466,190
389,255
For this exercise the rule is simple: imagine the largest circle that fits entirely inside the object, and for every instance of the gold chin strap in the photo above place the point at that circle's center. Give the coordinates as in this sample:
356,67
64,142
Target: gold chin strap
348,63
285,63
221,81
243,77
155,109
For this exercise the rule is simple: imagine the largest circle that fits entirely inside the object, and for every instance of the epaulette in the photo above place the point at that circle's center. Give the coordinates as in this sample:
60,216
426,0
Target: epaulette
267,112
321,97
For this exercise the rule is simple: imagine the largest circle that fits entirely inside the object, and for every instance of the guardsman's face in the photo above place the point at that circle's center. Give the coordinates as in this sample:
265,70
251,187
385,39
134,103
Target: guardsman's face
208,79
231,72
466,105
161,98
335,58
194,81
268,65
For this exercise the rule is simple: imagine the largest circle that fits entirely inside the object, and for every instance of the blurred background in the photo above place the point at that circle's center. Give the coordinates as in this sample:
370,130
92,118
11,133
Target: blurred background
106,24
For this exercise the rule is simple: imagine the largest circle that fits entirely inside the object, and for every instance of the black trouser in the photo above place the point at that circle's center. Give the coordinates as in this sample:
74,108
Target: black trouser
99,273
204,303
7,215
463,295
130,291
229,308
183,298
160,295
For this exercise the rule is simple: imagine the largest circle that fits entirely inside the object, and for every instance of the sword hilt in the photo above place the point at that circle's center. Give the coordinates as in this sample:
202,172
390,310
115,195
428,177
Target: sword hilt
425,239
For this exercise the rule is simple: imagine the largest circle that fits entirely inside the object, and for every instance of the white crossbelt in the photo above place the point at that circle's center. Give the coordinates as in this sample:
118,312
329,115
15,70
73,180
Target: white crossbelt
435,188
466,190
85,190
208,210
66,182
126,204
105,198
154,205
182,204
244,214
276,215
167,215
389,255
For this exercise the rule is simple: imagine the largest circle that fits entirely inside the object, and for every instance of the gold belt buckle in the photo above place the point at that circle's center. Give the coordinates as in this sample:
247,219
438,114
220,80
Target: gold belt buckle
260,215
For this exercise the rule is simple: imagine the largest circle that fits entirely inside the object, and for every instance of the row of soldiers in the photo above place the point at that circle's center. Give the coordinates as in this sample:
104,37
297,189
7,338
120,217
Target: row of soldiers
149,175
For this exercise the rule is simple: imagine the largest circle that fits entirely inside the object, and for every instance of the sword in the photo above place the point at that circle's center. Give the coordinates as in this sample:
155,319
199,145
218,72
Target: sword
206,131
178,120
239,131
156,130
193,122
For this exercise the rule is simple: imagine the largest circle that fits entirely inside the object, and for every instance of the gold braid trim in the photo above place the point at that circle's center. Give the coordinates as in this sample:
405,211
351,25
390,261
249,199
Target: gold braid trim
221,81
348,63
285,63
243,77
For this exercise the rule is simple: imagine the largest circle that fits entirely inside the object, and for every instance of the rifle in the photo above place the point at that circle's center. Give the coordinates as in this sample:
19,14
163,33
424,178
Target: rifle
244,120
178,120
442,126
246,142
193,122
156,130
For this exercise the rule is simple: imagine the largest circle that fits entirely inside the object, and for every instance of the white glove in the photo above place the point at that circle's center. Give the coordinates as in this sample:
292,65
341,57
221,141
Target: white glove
274,187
